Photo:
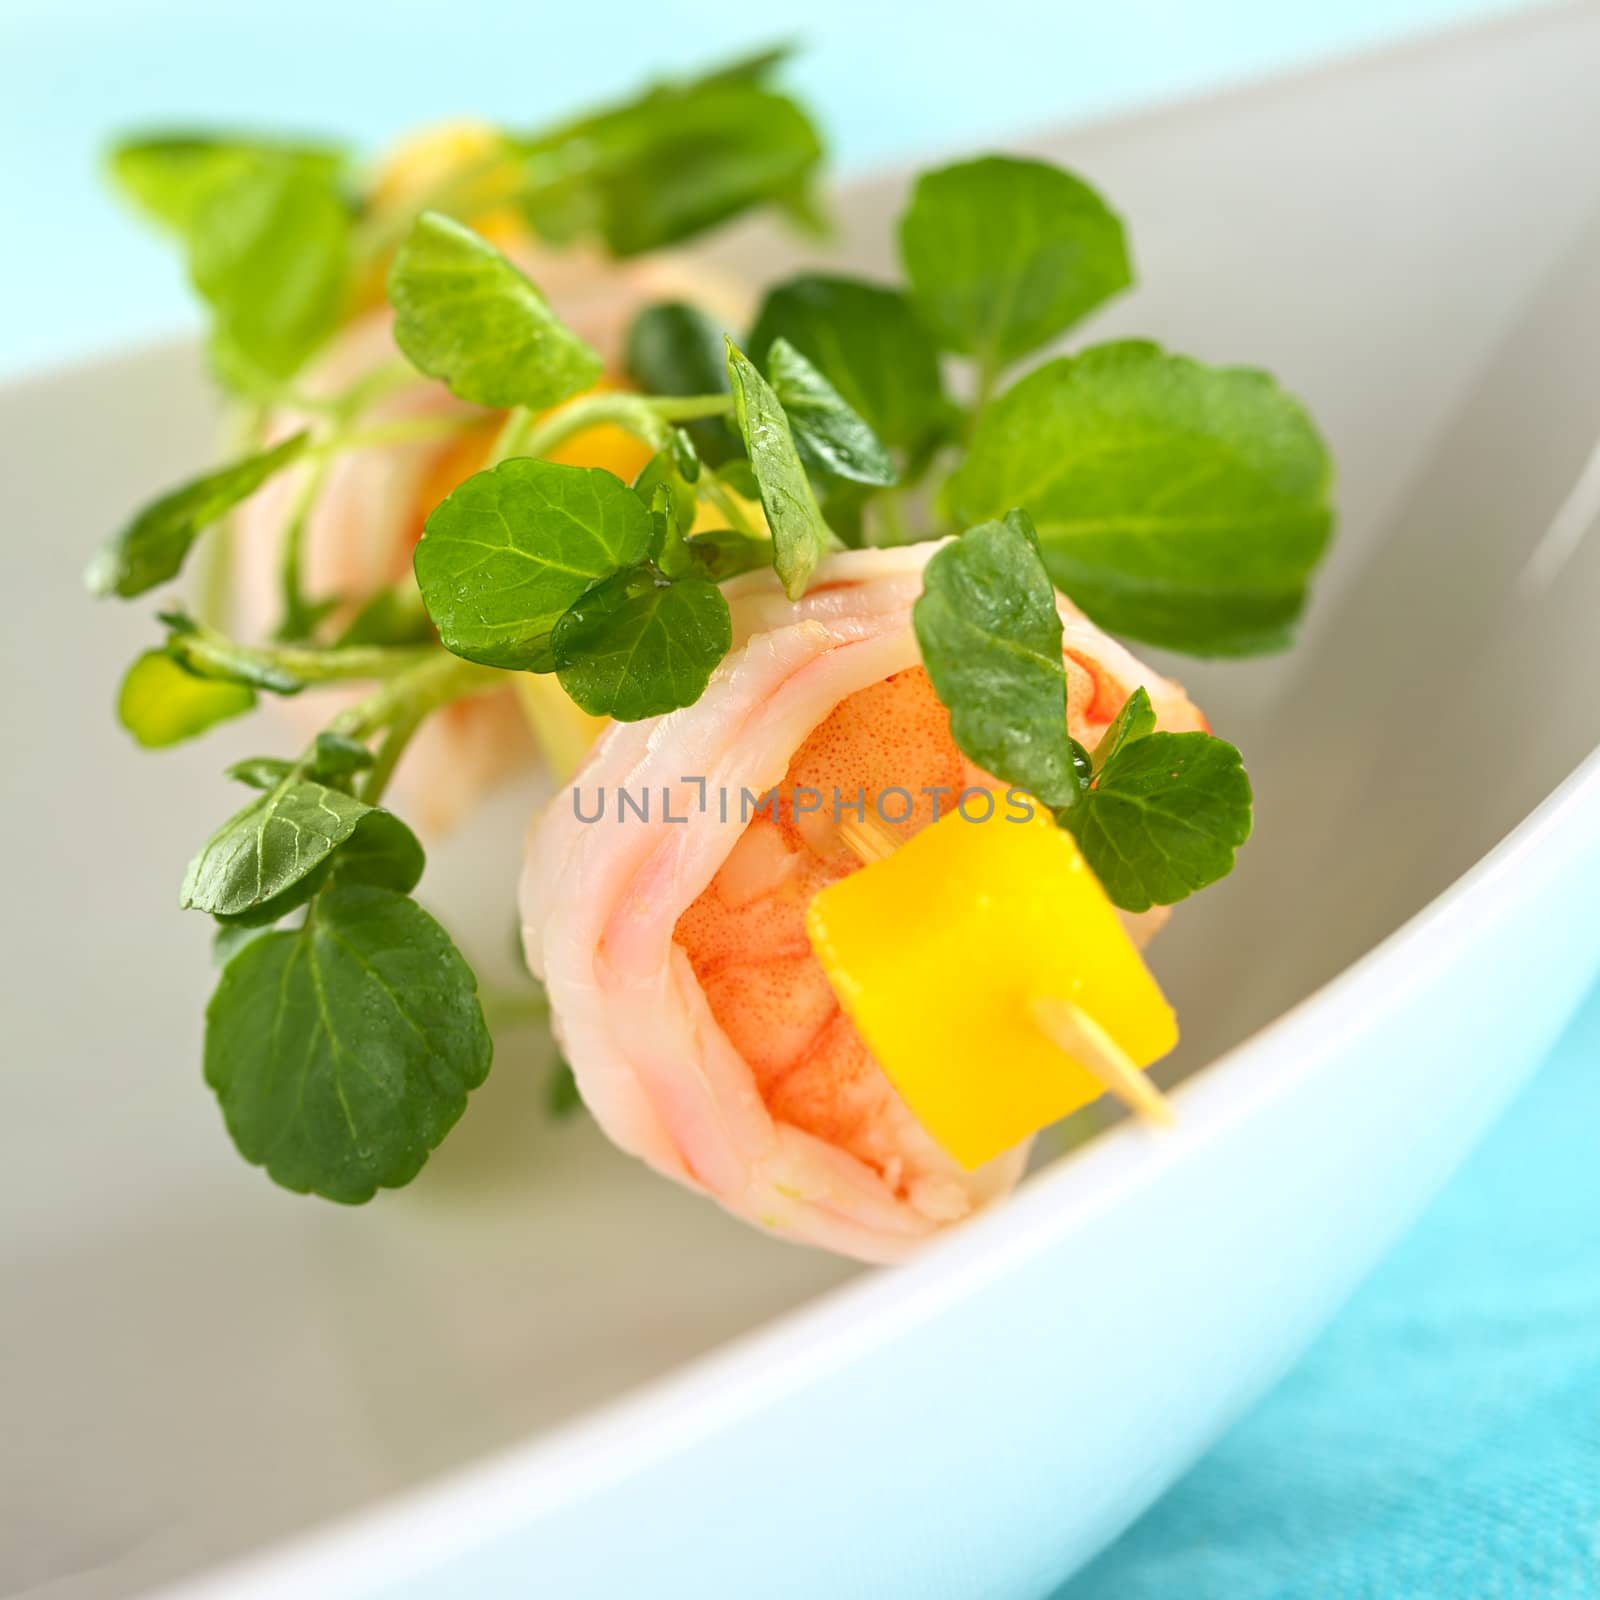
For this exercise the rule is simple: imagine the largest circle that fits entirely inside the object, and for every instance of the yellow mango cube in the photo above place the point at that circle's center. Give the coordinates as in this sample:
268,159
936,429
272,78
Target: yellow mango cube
938,951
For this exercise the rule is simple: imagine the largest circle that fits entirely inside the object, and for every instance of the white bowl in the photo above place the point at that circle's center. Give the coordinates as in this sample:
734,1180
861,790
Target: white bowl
542,1370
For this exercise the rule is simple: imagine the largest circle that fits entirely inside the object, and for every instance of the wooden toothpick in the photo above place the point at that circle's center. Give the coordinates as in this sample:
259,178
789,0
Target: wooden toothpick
867,839
1072,1030
1067,1026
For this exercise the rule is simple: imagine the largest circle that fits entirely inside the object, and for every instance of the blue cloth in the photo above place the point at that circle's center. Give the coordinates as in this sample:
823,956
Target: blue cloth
1442,1440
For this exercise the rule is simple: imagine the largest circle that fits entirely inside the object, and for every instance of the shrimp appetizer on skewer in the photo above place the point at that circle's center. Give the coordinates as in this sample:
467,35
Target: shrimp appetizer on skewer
703,1030
848,898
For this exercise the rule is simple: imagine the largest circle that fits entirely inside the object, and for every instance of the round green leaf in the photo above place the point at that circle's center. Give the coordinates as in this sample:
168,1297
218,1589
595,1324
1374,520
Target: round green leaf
343,1052
1005,254
1178,503
637,646
465,314
870,344
507,552
1164,818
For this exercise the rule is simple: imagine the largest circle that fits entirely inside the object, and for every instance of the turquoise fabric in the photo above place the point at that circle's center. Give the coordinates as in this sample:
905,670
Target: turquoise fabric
1442,1440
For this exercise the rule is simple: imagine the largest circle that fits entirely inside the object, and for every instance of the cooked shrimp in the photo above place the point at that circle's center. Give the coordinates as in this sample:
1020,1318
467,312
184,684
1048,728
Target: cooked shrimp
702,1031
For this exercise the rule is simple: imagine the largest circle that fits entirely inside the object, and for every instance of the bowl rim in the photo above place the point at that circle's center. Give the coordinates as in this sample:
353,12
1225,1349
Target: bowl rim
420,1529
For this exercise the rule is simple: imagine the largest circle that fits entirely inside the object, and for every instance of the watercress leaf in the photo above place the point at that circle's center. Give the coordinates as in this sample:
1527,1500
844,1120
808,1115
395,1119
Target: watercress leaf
151,549
337,756
170,175
1005,254
637,646
160,704
382,851
990,636
509,550
685,457
271,254
721,553
467,315
680,159
870,344
1136,720
832,437
269,848
344,1051
800,537
259,772
231,938
1164,818
676,349
661,472
1178,503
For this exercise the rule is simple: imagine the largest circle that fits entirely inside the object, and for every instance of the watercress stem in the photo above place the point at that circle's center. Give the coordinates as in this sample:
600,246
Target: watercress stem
204,648
649,417
405,430
435,680
294,538
390,749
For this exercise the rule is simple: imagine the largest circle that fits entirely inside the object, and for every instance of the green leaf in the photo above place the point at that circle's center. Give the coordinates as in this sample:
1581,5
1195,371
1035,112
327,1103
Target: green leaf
259,772
832,437
1136,720
676,349
661,472
679,160
338,756
1004,254
506,553
990,636
1177,503
800,537
465,314
637,646
343,1052
263,854
230,938
271,254
721,553
152,548
381,851
171,176
1164,818
160,704
870,344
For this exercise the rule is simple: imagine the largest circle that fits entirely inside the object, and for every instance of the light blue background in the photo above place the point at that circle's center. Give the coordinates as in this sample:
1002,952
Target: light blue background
889,78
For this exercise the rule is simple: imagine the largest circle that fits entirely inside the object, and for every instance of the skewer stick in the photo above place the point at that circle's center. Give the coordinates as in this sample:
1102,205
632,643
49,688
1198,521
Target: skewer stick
867,839
1071,1029
1067,1026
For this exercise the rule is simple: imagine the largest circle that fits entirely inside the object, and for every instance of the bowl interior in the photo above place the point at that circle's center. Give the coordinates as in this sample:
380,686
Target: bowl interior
199,1363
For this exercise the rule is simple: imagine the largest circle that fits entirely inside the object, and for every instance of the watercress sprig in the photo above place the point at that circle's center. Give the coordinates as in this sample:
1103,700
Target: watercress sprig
1173,501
